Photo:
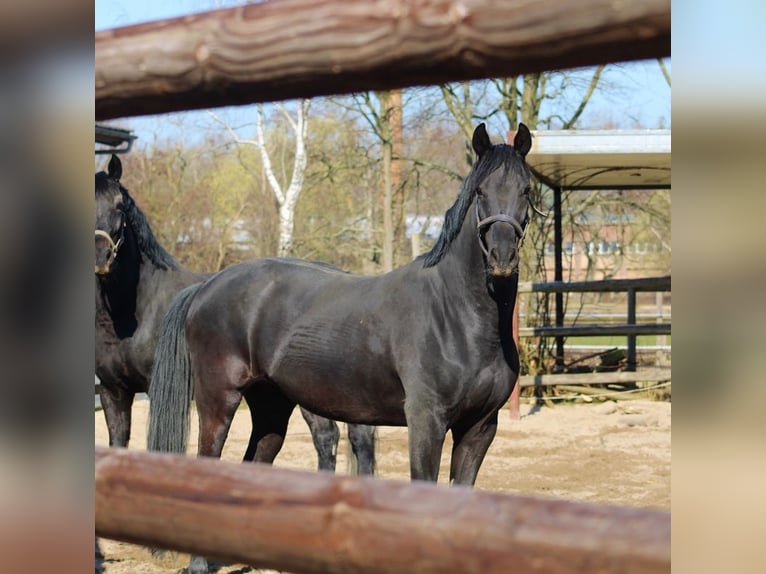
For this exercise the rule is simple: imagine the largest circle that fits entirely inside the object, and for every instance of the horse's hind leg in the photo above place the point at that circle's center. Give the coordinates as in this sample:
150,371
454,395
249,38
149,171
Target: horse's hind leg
217,401
117,403
215,420
217,395
362,439
325,434
470,445
270,414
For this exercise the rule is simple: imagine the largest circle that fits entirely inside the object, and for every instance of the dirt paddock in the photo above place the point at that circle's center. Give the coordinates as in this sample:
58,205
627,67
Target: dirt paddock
617,453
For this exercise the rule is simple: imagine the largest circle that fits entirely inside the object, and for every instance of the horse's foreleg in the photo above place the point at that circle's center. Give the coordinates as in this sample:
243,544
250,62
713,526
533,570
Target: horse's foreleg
362,439
469,447
426,431
117,403
325,434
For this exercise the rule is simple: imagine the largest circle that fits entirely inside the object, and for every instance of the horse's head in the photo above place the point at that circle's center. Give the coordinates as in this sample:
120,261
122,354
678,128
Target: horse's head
502,199
110,216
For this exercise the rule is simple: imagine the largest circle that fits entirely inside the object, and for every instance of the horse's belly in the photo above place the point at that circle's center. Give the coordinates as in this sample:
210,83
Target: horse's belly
350,386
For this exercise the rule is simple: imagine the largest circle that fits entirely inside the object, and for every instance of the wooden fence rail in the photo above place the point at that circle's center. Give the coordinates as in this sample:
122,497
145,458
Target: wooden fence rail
597,330
605,285
630,329
303,48
319,522
620,377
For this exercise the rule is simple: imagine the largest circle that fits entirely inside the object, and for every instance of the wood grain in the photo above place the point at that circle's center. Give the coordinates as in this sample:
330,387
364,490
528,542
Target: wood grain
319,522
284,49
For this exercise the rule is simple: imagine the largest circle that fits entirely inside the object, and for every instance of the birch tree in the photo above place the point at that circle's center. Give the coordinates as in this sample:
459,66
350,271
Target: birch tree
286,194
287,199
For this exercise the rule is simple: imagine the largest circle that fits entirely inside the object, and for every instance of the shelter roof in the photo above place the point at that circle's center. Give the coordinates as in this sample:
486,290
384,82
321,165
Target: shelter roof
114,138
601,159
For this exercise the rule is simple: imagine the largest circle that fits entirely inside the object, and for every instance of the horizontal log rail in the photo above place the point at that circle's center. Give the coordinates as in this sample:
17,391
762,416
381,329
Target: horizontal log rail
630,329
605,285
270,51
597,330
319,522
618,377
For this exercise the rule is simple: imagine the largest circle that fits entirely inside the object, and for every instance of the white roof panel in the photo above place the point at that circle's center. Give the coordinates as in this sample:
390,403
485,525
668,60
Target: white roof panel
601,159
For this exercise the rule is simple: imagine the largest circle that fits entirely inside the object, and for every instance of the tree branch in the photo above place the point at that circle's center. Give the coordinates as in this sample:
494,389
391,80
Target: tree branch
584,102
664,70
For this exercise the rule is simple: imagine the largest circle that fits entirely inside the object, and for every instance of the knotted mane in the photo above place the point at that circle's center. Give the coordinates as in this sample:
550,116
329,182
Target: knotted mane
496,156
147,242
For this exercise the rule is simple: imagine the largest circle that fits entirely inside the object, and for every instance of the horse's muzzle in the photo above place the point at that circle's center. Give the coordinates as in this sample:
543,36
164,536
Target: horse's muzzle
502,251
504,271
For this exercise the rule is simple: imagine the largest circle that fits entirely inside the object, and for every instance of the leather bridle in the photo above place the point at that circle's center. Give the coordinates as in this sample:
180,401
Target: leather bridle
113,245
483,224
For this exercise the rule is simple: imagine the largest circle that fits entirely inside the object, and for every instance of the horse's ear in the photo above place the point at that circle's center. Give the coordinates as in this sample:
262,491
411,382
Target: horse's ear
480,140
522,141
115,168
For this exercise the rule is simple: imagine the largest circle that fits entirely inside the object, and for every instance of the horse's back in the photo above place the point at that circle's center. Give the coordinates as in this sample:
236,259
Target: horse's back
306,327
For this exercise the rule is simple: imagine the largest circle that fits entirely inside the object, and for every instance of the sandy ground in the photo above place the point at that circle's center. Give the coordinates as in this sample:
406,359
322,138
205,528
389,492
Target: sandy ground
609,452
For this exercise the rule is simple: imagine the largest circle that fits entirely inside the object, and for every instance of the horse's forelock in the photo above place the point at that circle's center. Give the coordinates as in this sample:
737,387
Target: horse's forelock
496,156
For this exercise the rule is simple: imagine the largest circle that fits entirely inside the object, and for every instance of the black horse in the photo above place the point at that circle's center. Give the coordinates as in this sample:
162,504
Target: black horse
428,345
136,281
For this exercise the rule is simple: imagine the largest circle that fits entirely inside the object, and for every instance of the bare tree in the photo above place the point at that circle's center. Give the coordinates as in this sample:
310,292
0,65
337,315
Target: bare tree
383,113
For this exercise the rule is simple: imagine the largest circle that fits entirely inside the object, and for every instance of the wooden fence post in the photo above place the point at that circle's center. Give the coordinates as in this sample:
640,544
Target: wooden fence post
513,401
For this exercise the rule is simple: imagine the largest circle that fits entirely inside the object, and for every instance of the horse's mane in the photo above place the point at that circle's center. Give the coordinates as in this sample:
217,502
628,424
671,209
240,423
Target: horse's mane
147,242
496,156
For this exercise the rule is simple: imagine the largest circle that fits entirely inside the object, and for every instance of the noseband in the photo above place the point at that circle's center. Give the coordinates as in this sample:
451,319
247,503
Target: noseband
483,224
113,246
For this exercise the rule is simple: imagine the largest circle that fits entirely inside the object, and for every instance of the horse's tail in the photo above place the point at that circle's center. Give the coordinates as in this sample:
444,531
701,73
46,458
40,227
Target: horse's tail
170,390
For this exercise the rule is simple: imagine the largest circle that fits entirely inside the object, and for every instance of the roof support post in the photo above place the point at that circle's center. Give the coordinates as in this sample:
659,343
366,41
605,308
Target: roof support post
558,272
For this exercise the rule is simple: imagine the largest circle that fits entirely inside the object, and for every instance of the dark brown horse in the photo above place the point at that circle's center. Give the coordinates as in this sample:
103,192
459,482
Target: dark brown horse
136,281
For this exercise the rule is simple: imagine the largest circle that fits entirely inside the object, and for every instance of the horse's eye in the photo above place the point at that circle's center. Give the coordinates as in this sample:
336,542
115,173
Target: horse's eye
479,192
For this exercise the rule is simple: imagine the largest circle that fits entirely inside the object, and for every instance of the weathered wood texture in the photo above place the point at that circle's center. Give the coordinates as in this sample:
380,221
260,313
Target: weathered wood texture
319,522
303,48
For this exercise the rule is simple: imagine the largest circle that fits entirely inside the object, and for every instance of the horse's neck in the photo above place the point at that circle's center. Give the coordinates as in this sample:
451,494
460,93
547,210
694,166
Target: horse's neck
462,267
117,291
159,285
463,271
